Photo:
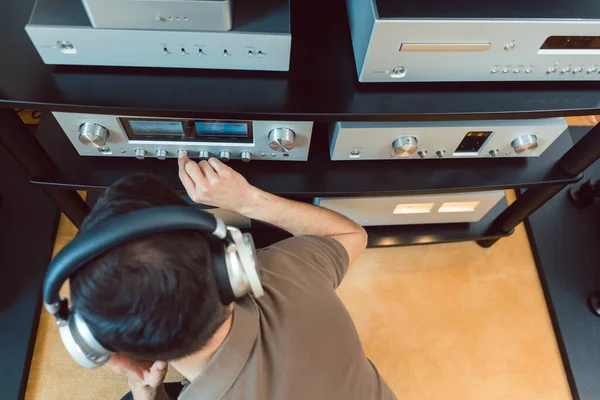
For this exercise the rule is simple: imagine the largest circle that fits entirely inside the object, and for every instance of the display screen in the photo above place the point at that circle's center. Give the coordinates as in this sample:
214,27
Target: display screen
209,128
472,142
189,130
572,43
160,128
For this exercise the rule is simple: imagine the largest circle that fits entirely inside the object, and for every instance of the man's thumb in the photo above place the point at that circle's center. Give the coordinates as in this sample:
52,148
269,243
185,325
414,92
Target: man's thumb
160,365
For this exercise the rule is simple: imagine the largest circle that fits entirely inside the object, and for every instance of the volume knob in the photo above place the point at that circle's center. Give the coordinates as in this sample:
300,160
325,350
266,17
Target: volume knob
203,155
405,146
525,143
140,154
93,135
161,154
225,156
246,156
282,139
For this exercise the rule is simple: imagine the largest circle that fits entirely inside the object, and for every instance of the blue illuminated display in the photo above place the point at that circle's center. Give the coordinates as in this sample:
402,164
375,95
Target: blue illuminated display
156,127
221,128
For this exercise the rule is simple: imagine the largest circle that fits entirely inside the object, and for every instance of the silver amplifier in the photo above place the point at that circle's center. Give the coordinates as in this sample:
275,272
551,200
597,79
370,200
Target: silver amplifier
474,40
444,139
181,15
259,40
142,137
414,209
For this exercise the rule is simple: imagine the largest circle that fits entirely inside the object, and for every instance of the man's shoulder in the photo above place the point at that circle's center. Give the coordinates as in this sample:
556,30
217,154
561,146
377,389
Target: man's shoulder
321,256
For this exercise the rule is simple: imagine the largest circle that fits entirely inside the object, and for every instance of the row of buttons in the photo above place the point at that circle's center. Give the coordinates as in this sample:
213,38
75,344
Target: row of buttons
551,70
515,71
355,153
224,155
226,52
576,70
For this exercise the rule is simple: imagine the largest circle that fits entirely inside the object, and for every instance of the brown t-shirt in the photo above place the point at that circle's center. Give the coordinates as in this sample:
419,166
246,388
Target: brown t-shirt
298,340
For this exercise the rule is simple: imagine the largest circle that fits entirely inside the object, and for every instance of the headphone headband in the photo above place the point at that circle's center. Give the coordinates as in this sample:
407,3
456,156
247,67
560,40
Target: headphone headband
113,232
234,262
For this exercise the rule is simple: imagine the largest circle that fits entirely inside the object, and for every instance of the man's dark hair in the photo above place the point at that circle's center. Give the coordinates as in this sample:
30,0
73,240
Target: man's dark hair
154,298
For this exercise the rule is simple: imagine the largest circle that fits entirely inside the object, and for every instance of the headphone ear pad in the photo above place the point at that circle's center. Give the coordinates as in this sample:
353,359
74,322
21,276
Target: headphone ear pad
221,274
81,344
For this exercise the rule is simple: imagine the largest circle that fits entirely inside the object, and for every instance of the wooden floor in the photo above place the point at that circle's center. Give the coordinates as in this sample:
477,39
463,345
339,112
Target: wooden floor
451,321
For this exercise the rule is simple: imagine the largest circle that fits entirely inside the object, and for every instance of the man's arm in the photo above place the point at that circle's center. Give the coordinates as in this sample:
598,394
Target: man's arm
214,183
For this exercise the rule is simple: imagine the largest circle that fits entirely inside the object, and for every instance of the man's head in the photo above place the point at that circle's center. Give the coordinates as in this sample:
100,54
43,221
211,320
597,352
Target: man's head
154,298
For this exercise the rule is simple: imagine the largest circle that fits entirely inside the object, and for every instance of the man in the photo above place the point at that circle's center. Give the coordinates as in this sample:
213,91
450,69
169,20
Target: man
155,300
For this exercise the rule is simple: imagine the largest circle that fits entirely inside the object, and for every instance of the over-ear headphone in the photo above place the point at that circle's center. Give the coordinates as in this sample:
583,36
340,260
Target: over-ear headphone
234,259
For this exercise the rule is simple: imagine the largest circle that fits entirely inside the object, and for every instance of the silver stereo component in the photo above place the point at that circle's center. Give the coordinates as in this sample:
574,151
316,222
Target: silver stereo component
176,15
418,209
444,139
143,137
260,40
473,40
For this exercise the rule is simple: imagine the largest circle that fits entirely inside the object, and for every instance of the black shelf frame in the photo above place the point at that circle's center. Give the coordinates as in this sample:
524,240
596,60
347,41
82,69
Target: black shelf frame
321,86
564,242
28,229
321,177
52,163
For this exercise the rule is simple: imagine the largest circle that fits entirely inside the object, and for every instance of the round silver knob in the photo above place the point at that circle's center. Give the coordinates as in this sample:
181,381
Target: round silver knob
161,154
93,135
246,156
140,154
225,156
494,153
282,139
422,153
525,143
440,154
182,151
203,155
405,146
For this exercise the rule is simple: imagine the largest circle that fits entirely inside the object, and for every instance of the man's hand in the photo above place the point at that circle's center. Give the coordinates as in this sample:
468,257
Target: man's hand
214,183
145,378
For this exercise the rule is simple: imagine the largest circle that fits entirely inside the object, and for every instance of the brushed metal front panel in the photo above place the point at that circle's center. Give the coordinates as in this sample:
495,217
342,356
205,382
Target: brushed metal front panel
410,210
514,52
373,140
120,145
181,15
260,40
168,49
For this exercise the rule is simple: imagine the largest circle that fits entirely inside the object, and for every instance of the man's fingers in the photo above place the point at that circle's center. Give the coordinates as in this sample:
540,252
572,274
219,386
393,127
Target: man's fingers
183,158
156,374
208,171
194,171
160,365
217,165
187,181
124,365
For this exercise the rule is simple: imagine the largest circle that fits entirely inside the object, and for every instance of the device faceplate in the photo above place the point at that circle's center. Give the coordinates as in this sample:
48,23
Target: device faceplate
509,49
373,140
182,15
418,209
120,145
260,40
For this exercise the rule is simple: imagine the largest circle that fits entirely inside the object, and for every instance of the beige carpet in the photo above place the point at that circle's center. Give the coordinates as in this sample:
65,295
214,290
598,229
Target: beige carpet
451,321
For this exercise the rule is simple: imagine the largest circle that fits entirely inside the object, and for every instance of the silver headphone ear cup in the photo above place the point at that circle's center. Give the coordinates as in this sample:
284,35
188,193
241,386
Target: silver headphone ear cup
237,277
248,259
81,344
241,264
